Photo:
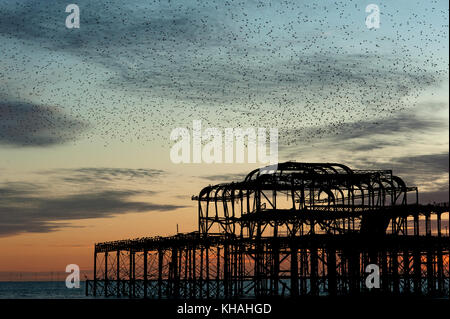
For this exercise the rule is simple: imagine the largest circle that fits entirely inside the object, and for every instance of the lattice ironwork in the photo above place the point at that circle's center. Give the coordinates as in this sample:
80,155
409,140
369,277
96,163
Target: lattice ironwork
302,229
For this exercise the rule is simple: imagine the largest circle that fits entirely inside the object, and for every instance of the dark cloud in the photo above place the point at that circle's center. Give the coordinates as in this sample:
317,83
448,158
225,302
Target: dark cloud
429,172
400,123
12,189
107,24
434,197
363,136
424,164
73,194
24,211
26,124
417,168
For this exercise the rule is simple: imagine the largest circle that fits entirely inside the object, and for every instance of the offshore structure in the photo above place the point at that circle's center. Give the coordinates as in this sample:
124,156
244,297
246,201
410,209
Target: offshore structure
296,229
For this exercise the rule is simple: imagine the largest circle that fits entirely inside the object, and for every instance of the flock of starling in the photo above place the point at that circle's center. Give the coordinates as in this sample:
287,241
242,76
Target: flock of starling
133,71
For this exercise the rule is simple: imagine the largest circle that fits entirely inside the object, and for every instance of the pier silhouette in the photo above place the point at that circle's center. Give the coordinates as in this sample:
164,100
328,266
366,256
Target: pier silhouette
304,229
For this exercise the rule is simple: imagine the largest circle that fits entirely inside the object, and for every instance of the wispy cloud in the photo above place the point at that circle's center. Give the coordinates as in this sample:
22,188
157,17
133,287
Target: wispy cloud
103,175
75,194
222,178
364,135
34,212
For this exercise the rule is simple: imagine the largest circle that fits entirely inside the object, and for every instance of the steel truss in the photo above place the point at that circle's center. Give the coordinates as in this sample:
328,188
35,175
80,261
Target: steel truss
294,230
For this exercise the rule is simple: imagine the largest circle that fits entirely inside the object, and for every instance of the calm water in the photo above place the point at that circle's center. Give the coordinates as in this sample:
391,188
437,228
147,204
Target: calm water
40,290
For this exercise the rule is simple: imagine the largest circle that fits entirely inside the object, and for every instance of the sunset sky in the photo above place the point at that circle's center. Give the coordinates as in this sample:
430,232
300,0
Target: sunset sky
86,114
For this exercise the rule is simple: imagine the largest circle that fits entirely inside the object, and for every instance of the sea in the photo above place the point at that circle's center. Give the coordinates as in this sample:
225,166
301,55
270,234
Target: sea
52,290
41,290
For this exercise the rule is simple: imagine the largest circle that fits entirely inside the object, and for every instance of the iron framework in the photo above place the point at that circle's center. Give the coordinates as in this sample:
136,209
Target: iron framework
294,230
